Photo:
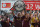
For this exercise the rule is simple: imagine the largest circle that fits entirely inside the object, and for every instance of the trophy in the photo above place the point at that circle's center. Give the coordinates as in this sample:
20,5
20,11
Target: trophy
19,6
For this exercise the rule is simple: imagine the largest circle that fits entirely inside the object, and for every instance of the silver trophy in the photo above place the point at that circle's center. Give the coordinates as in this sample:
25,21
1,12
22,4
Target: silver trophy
19,5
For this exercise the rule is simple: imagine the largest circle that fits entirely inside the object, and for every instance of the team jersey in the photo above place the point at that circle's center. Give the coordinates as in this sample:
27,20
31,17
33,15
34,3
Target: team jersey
33,19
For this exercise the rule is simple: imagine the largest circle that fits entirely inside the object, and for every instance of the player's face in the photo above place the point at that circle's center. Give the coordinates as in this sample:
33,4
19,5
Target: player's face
35,14
19,14
31,15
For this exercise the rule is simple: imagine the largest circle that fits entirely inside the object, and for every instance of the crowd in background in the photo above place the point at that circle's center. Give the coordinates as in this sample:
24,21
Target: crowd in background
22,19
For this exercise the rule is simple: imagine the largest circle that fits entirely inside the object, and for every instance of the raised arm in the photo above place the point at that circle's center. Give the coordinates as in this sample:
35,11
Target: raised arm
25,11
38,12
30,11
33,12
13,13
13,10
